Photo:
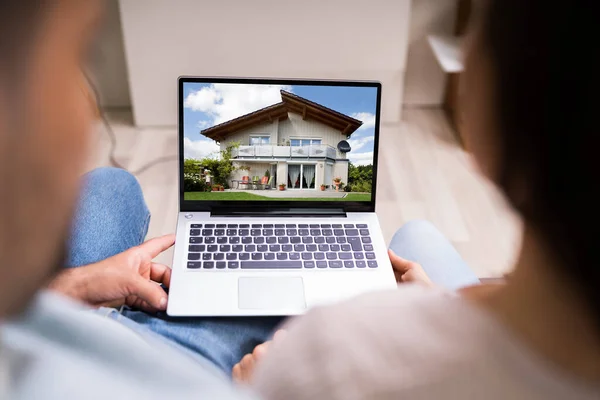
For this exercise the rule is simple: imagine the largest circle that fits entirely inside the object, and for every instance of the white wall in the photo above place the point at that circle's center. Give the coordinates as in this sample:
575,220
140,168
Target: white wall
295,127
109,66
353,39
425,81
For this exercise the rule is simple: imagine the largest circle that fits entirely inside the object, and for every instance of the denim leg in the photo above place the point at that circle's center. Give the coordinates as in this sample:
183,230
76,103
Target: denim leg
421,242
112,217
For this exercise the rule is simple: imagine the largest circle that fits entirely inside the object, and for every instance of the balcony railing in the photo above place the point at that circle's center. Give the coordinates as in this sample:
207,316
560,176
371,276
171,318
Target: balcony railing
312,151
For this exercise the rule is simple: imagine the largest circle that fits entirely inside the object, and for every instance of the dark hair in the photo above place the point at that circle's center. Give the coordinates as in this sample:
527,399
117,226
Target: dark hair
547,81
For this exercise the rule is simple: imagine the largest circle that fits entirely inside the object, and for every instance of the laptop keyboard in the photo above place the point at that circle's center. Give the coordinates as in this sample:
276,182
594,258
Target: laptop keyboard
280,246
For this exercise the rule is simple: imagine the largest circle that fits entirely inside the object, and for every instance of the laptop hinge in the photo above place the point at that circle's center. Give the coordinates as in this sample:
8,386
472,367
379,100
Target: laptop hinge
277,212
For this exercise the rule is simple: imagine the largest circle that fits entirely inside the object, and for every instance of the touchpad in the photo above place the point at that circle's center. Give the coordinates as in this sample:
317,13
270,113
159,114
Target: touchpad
276,293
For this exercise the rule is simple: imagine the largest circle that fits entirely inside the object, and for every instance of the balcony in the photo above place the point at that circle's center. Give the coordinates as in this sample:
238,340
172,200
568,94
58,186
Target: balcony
287,152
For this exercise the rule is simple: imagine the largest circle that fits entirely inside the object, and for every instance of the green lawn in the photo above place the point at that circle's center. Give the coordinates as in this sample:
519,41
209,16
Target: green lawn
251,196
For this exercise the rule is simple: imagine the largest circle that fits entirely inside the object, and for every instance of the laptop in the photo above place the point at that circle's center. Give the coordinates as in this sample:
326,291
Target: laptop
277,189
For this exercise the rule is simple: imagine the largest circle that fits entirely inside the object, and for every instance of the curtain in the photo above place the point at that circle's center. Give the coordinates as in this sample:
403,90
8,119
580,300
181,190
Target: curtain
293,173
309,174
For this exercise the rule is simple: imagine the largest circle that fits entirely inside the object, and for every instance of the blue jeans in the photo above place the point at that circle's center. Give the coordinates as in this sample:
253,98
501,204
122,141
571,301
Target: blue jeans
112,217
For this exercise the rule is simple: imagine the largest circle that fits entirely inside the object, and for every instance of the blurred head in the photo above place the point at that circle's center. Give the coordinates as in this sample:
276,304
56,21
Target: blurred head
531,108
44,124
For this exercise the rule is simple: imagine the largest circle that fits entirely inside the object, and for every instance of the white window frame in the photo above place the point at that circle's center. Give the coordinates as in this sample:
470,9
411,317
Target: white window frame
260,136
305,138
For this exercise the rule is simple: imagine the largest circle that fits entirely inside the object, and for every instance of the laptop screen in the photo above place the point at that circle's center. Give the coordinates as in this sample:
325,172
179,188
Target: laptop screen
260,141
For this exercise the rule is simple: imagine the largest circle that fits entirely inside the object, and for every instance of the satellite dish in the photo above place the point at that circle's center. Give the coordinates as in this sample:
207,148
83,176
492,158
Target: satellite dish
344,146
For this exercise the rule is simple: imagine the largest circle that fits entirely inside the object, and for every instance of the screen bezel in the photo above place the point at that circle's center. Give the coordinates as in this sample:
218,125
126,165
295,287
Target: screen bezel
209,205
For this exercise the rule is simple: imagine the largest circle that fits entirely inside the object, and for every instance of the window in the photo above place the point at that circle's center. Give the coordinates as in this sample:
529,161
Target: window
305,142
259,140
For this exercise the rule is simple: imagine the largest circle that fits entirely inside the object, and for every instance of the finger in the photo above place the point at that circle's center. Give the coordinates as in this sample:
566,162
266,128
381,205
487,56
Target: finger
160,273
247,365
148,291
279,335
400,264
236,372
157,245
260,350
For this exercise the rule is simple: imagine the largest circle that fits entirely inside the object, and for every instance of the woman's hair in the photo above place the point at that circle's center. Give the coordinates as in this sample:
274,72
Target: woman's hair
546,77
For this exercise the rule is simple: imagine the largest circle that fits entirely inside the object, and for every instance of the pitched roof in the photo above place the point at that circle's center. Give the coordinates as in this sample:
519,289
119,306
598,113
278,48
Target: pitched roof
279,111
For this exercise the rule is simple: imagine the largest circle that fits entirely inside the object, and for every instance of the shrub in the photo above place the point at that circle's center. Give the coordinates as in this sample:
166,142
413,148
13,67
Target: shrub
193,183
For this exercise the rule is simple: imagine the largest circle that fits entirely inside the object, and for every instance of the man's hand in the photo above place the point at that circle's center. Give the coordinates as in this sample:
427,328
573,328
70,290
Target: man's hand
408,271
242,372
128,278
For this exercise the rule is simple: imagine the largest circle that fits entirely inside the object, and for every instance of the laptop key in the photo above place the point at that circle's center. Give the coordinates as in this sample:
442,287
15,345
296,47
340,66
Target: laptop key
309,264
234,240
366,239
268,226
319,239
196,240
262,248
361,226
291,232
195,232
299,247
257,256
334,247
271,264
209,225
361,264
259,240
194,265
311,247
345,256
234,226
303,226
279,226
294,256
208,264
231,256
323,247
346,247
330,239
212,248
331,256
319,256
246,240
210,240
272,239
314,226
355,243
237,248
349,264
197,248
290,225
287,247
368,247
207,232
231,232
256,225
307,239
221,226
307,256
351,232
336,226
335,264
244,232
244,256
224,248
328,226
348,226
303,232
196,226
370,256
221,240
315,232
249,248
364,232
218,256
279,232
327,232
338,232
206,256
321,264
359,256
233,265
283,240
244,226
275,248
269,256
372,264
282,256
221,264
295,239
255,232
267,232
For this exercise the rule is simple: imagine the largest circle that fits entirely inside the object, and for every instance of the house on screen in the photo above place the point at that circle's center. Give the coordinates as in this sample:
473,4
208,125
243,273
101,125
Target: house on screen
301,143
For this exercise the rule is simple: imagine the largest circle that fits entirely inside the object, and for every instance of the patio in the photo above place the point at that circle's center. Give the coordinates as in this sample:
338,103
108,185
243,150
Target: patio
293,193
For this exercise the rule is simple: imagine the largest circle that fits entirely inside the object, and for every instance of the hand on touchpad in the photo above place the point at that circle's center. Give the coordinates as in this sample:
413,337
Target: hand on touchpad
276,293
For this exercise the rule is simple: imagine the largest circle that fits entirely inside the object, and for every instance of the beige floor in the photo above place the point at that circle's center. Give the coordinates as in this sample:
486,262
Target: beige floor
423,175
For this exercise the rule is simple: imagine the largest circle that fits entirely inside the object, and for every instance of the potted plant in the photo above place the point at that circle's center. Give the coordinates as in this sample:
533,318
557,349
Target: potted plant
215,188
336,182
282,186
221,188
323,187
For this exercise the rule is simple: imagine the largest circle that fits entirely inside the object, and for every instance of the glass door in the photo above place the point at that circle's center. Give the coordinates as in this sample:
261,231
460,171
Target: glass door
301,176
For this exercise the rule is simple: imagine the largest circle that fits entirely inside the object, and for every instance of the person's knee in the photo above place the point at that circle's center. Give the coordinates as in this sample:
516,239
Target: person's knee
113,182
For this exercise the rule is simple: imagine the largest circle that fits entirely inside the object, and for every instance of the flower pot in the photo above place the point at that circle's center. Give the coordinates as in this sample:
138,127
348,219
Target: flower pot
322,188
221,189
282,188
337,187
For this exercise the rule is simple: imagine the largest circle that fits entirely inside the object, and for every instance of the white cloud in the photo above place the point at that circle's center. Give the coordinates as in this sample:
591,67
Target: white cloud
198,149
202,124
367,119
361,158
226,101
358,143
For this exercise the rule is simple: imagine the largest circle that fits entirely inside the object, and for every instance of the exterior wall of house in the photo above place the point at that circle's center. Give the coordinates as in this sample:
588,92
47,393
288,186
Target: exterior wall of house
295,127
282,173
340,169
243,136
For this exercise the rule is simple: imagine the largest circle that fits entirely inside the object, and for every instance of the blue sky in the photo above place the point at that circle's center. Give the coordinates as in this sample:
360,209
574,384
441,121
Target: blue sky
206,105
